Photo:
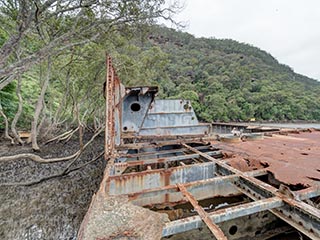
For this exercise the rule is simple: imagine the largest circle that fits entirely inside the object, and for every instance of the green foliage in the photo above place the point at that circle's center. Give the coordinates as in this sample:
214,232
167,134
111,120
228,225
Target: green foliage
225,80
234,81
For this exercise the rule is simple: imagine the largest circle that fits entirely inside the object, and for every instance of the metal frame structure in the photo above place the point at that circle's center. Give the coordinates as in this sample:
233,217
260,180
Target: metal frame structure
162,186
175,169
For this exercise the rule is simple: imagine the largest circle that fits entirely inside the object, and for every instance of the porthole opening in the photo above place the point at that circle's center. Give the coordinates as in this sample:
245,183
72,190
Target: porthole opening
135,107
233,230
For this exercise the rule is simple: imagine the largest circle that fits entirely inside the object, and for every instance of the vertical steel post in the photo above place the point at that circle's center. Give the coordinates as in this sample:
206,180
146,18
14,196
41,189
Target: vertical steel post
109,93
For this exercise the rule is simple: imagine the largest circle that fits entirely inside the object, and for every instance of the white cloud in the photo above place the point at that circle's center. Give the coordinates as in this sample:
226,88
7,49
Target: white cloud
289,30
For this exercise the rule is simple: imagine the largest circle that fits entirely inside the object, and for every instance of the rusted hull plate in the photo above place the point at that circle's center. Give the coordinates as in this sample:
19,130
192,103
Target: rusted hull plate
136,182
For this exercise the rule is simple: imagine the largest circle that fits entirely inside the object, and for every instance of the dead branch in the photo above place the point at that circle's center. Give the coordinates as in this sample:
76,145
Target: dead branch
39,159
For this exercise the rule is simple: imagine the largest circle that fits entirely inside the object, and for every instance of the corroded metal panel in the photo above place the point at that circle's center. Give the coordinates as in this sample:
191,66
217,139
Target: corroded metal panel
203,189
137,182
218,216
134,110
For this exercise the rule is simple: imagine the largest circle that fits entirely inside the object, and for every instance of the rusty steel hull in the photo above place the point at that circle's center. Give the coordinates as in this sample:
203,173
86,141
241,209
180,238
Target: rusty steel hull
158,181
154,165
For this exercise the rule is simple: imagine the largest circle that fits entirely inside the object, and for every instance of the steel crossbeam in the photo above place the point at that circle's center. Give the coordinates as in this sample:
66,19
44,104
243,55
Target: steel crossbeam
170,159
216,231
157,152
222,215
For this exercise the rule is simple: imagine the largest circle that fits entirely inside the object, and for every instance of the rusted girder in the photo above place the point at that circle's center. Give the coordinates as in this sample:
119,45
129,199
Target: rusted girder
170,159
222,215
158,152
110,87
216,231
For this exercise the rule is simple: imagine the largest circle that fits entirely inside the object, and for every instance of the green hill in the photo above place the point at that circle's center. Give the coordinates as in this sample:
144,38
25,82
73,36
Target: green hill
228,80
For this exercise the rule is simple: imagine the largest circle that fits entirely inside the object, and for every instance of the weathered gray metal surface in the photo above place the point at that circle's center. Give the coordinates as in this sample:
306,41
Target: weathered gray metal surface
203,189
299,215
141,116
170,159
137,182
176,130
170,113
134,111
218,216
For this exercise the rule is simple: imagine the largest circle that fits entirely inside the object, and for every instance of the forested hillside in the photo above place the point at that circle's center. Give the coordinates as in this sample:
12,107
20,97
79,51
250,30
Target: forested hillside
52,68
228,80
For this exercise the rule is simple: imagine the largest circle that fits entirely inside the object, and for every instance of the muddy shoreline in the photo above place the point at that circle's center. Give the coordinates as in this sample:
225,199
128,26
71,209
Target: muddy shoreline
52,209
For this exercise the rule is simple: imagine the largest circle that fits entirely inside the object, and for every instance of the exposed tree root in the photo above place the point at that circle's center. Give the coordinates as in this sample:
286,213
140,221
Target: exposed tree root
62,136
65,172
39,159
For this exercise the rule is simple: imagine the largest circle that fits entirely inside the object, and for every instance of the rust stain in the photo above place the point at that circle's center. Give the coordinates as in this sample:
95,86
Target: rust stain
292,159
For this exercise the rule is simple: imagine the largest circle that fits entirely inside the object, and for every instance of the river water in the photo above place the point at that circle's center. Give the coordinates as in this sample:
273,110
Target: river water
287,125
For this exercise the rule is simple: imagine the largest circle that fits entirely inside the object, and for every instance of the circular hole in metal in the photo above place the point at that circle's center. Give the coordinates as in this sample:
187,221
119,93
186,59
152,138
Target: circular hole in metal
125,128
135,107
233,230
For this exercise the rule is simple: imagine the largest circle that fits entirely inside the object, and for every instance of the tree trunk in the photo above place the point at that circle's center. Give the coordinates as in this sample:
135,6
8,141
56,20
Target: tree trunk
43,121
6,131
38,109
80,125
18,114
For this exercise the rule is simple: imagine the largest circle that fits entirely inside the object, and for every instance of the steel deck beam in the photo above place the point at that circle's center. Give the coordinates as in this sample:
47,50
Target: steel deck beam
163,152
216,231
187,224
170,159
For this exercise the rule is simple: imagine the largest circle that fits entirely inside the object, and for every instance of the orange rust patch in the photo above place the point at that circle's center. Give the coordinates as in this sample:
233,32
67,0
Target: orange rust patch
245,164
293,159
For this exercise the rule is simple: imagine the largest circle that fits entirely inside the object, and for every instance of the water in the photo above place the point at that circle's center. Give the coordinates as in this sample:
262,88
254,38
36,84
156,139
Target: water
287,125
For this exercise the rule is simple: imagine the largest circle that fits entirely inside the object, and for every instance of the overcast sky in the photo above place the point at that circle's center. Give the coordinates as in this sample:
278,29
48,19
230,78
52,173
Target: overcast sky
288,29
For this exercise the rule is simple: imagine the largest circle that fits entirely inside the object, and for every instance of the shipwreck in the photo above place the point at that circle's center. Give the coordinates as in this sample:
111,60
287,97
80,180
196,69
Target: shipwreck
167,176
